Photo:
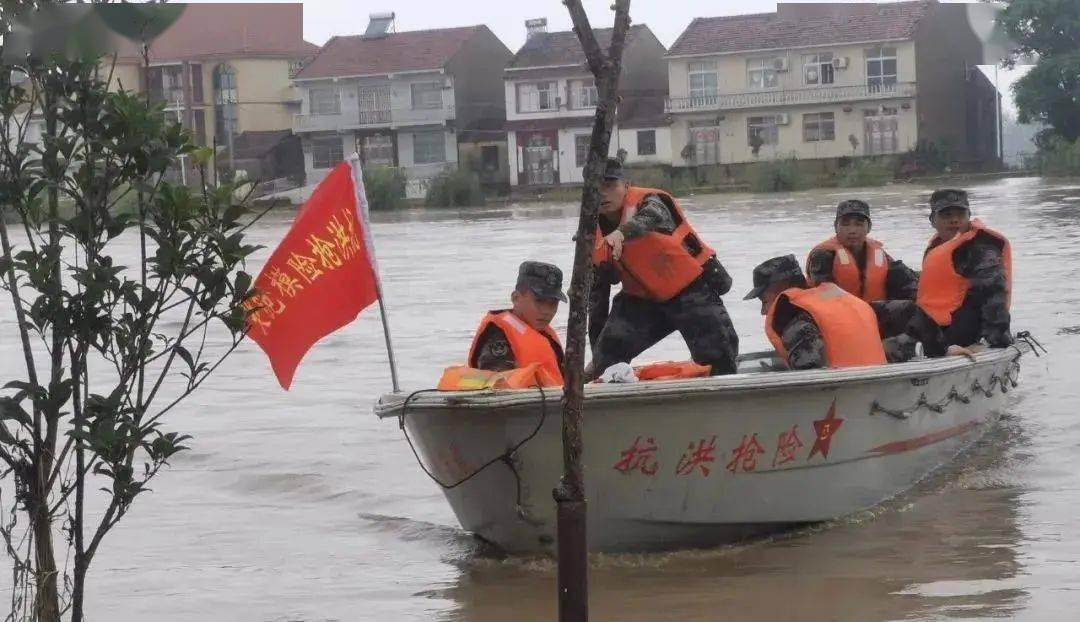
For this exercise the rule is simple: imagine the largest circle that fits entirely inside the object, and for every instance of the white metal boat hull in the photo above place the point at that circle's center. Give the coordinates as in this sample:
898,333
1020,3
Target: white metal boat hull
701,462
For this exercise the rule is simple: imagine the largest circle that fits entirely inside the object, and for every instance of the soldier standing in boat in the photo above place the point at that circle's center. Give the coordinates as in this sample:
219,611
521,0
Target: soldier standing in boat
964,290
671,280
522,335
814,327
860,266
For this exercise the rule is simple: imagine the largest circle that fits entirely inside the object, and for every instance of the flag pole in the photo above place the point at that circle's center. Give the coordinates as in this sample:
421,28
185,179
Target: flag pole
386,334
362,205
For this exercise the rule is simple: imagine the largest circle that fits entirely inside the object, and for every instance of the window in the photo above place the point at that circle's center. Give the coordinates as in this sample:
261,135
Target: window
429,148
818,126
326,152
294,67
881,68
761,73
378,150
196,77
536,96
225,102
818,68
324,100
426,95
581,149
703,79
766,128
646,142
583,93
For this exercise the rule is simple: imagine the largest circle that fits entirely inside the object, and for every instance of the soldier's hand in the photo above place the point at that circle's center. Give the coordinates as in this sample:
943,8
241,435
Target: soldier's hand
615,241
960,351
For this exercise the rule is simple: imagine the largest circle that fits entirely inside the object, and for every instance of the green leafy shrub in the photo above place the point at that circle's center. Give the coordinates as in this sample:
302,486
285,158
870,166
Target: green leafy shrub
865,172
455,188
780,175
385,187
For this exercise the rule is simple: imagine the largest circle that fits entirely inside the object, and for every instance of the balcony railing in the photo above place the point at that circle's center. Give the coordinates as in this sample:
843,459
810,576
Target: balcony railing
354,119
796,97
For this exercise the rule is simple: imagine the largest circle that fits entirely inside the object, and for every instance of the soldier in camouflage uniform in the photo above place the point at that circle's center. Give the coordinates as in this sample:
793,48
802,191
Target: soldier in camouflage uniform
984,261
535,301
635,324
800,335
852,224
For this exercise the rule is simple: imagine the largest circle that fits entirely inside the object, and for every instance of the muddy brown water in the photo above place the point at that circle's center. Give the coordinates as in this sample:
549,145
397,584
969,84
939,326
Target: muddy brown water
303,506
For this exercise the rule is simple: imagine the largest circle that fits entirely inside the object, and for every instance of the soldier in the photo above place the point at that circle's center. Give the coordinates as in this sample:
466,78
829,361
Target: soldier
966,281
814,327
671,280
516,337
860,266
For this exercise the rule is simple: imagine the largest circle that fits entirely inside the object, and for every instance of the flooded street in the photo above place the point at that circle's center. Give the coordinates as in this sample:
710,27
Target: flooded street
303,506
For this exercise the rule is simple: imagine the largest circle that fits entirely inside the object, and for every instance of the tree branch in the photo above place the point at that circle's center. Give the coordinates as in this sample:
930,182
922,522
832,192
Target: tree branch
594,56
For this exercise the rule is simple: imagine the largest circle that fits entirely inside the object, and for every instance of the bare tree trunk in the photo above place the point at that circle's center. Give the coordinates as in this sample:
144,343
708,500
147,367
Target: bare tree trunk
572,545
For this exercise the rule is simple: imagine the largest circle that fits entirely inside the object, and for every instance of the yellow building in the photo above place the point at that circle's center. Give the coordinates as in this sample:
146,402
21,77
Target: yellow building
828,80
224,70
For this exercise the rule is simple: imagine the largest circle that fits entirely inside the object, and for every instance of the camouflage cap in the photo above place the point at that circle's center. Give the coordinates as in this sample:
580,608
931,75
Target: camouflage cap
785,269
946,198
542,279
853,207
614,169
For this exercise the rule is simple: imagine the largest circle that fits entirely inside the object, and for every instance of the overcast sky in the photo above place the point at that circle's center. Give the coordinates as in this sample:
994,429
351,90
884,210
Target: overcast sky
667,18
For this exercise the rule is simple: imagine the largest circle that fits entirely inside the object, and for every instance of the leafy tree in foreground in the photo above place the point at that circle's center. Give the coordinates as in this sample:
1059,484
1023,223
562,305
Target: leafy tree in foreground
109,346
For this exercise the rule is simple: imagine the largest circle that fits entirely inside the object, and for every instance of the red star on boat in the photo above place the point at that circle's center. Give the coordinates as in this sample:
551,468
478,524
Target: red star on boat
825,429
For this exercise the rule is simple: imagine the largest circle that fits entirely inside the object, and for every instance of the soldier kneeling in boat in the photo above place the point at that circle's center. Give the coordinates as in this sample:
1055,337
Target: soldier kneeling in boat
860,266
814,327
966,281
671,280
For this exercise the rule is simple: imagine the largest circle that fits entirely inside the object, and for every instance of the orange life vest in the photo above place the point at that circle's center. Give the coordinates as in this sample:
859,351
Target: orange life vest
672,370
656,266
527,344
868,285
464,378
847,323
941,289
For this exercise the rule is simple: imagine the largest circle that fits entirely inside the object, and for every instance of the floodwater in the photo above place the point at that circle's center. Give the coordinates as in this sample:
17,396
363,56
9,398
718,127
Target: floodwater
303,506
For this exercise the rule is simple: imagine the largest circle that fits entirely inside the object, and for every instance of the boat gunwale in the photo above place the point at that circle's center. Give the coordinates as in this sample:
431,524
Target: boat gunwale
390,405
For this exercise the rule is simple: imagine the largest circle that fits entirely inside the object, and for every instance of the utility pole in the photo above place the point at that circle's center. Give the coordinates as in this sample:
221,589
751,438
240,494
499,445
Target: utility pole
572,536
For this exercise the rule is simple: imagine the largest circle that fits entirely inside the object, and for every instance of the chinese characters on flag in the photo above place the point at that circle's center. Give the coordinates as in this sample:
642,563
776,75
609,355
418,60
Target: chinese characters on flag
319,278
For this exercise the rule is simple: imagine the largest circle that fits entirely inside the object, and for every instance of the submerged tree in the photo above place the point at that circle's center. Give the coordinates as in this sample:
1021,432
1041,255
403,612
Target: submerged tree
127,291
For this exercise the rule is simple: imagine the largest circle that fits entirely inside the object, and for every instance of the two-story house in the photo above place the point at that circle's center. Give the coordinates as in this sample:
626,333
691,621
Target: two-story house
551,103
826,80
222,69
399,99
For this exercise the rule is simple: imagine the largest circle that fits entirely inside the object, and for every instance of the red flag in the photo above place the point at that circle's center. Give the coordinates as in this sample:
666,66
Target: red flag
321,276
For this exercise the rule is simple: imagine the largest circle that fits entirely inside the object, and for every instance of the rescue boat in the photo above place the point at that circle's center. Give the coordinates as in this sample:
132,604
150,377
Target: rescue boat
676,464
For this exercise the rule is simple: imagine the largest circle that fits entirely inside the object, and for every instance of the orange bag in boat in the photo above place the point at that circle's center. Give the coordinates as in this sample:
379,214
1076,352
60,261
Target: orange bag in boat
672,370
465,378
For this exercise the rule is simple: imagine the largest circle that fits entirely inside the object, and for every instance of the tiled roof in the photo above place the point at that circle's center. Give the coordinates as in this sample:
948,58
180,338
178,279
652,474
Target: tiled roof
399,51
232,30
562,48
801,25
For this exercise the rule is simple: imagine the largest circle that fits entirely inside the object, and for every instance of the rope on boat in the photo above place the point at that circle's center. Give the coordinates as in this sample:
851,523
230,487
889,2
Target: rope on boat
507,457
1010,378
1030,339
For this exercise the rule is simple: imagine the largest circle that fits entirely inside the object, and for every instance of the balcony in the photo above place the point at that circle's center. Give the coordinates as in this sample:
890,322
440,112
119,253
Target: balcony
353,120
796,97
